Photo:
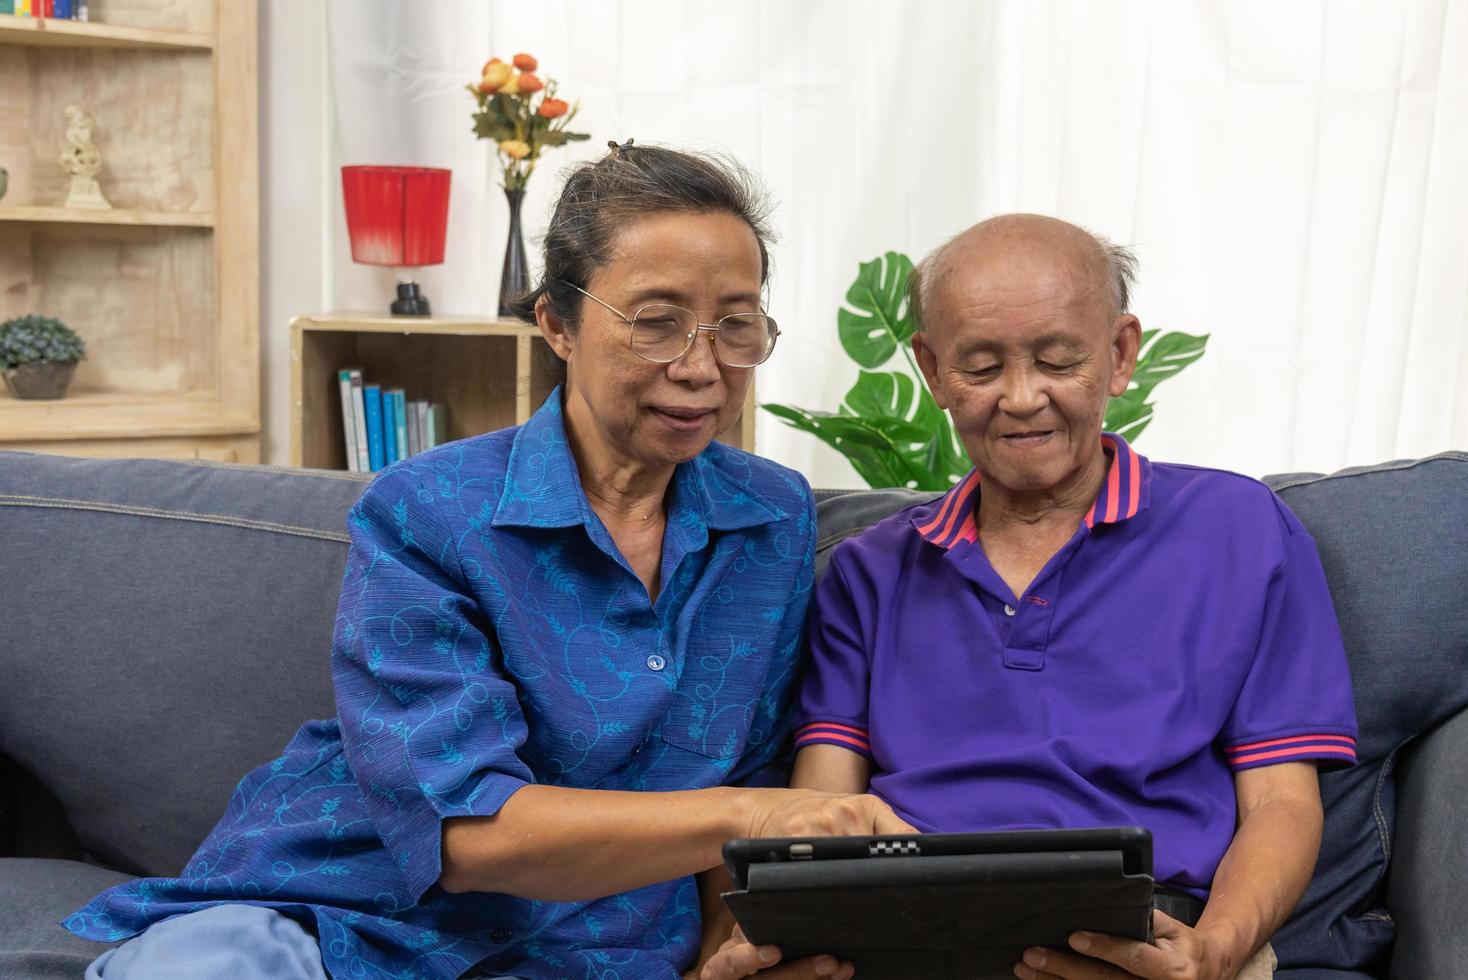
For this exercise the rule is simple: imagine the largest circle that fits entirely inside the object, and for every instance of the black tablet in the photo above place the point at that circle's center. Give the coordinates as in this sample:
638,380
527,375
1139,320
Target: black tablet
940,905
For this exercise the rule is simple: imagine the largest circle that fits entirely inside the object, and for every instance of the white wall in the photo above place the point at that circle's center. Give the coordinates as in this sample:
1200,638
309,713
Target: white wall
295,203
1293,176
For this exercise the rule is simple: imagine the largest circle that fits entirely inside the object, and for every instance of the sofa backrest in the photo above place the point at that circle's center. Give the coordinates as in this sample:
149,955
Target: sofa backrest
164,629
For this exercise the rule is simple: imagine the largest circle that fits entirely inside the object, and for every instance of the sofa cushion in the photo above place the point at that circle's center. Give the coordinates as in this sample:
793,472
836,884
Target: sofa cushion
35,895
1394,542
1430,855
167,628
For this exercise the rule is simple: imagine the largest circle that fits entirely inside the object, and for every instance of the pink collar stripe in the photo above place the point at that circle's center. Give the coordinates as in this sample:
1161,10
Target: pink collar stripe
952,518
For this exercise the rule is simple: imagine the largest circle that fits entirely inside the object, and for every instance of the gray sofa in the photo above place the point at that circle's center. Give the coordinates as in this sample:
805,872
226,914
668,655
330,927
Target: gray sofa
164,628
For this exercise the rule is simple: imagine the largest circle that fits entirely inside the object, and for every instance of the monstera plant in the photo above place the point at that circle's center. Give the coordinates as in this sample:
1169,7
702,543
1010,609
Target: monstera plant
890,428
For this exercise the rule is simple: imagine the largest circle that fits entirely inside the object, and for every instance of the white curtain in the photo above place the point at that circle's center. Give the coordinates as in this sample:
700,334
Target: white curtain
1293,176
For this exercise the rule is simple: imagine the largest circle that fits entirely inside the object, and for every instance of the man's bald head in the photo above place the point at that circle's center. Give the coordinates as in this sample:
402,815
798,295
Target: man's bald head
1049,245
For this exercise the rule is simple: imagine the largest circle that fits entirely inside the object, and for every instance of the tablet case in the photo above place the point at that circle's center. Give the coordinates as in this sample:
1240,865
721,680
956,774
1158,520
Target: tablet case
896,913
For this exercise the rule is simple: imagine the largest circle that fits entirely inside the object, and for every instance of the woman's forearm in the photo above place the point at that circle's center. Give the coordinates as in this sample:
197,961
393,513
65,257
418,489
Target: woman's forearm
565,845
557,844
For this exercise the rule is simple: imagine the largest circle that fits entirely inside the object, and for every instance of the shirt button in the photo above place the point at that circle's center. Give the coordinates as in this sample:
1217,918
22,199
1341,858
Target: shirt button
656,662
1009,610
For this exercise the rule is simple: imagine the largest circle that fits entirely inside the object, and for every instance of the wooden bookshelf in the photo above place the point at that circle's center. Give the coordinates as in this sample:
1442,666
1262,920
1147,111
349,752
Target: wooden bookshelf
76,216
50,33
164,288
488,374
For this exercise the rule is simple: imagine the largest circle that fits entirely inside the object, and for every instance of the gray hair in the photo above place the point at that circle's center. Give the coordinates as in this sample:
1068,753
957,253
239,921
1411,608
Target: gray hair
629,182
1119,267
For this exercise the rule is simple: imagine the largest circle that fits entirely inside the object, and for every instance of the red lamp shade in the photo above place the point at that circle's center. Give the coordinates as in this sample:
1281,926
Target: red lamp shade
396,215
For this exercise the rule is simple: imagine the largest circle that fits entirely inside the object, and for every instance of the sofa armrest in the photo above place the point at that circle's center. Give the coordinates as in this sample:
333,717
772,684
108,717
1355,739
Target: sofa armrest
1425,892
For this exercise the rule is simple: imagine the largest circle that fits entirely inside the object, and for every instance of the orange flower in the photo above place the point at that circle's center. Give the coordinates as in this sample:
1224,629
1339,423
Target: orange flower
515,149
487,64
553,108
525,62
529,83
496,74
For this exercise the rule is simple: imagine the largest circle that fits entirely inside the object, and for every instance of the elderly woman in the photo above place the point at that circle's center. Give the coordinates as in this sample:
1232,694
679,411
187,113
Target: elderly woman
563,658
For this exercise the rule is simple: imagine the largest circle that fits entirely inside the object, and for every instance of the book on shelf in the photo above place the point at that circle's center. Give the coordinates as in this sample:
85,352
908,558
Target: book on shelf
349,418
420,422
359,412
389,428
437,425
410,422
381,425
372,396
400,422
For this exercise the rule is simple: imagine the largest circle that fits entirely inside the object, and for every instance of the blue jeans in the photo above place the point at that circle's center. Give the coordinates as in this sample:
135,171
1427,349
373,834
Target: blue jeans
241,942
244,942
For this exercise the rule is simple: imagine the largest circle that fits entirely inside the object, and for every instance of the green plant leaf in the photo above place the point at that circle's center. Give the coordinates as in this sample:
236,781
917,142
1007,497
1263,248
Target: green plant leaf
1128,415
872,446
1165,357
895,395
875,319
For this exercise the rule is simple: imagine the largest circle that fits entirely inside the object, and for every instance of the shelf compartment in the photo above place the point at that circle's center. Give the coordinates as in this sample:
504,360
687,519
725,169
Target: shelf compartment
488,374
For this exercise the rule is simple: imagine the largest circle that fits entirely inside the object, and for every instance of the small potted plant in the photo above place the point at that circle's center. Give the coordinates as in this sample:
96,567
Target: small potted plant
38,356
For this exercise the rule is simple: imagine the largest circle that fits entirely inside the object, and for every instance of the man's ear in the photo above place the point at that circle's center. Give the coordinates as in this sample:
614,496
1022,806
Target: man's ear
928,364
555,330
1126,341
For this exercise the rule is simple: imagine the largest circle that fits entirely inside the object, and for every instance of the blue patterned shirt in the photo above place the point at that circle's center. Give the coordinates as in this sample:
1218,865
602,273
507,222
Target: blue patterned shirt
490,635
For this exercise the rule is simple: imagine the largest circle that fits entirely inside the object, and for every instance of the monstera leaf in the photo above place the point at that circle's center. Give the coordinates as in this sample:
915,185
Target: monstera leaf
875,321
1160,358
873,446
1164,357
895,395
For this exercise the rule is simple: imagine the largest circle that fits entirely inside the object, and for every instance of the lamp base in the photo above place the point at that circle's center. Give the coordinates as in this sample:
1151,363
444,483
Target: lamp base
410,302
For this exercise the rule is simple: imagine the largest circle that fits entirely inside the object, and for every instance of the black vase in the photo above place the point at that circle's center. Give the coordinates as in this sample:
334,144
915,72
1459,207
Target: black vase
515,277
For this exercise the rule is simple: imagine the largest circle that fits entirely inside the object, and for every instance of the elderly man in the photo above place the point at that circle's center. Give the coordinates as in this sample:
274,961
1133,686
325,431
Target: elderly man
1075,636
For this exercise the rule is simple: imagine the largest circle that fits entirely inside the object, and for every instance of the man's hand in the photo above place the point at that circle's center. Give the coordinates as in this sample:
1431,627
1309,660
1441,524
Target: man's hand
809,813
1176,953
738,957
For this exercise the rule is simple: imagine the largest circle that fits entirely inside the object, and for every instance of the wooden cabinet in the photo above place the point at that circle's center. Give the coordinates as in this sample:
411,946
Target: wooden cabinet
164,288
488,374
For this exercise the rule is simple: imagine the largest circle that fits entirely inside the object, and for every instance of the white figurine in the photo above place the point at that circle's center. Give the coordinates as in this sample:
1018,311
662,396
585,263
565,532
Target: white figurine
82,161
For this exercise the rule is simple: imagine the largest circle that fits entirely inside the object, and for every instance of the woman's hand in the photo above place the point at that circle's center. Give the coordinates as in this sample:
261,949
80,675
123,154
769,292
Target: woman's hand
809,813
798,813
738,957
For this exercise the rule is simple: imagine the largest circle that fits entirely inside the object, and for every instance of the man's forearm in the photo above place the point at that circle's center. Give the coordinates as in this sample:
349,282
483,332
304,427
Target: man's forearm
1260,879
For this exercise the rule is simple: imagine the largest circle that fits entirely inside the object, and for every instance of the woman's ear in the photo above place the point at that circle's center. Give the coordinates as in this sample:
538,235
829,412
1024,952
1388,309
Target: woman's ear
555,330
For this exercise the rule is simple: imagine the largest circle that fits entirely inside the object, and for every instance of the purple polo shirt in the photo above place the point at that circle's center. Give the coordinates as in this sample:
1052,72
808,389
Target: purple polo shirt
1184,633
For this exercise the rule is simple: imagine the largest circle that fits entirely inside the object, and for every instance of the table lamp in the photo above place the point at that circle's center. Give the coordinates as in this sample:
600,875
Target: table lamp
397,216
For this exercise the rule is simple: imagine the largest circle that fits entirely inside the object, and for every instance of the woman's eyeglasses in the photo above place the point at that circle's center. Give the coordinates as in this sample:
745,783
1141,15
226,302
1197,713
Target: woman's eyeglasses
662,333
